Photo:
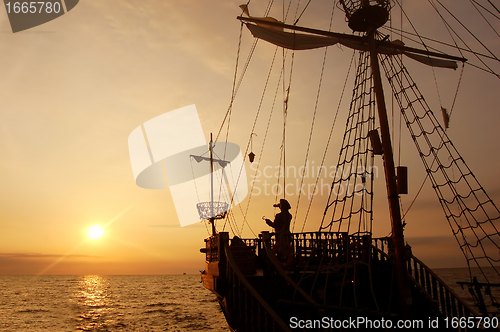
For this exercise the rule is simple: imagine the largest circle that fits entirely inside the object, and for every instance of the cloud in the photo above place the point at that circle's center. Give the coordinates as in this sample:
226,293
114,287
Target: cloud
38,256
37,263
177,226
426,240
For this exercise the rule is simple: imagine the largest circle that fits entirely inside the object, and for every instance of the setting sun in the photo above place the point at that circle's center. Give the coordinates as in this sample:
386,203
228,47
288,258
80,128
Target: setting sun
95,232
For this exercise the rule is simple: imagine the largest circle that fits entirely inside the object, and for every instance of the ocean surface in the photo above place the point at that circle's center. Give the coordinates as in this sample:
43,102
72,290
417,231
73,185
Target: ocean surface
452,276
108,303
127,303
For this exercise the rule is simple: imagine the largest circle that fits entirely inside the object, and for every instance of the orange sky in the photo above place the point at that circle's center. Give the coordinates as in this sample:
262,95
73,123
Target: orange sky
74,88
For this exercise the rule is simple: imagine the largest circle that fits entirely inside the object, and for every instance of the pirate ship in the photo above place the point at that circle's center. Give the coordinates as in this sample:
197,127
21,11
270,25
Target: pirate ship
342,271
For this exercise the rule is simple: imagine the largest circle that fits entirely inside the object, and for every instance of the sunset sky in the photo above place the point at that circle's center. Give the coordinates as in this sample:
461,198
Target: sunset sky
73,89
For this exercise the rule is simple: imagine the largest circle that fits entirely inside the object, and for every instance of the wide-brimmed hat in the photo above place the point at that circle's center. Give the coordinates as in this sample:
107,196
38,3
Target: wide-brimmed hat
284,204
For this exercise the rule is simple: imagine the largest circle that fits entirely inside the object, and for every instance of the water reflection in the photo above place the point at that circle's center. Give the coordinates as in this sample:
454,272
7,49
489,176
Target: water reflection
93,300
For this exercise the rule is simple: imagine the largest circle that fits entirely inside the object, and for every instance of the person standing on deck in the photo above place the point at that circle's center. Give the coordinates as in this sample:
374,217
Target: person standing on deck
282,221
282,247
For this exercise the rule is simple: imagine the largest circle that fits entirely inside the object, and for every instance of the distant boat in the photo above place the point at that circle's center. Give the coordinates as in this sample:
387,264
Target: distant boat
342,271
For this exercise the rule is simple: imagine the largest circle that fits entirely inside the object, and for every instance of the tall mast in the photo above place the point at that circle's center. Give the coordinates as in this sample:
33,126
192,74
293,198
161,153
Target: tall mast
367,16
390,180
212,219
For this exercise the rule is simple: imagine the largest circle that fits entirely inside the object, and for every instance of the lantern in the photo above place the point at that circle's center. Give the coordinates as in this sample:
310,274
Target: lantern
251,156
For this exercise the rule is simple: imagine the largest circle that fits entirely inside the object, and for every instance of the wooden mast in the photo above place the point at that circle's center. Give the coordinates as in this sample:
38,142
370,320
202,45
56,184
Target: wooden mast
405,298
212,218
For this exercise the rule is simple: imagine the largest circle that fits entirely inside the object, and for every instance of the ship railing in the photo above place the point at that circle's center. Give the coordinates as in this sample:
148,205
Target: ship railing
255,314
383,250
211,249
333,246
310,246
450,303
253,243
475,287
313,245
427,282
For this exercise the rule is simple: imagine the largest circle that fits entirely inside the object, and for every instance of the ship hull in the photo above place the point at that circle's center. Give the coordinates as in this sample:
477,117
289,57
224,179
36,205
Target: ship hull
332,278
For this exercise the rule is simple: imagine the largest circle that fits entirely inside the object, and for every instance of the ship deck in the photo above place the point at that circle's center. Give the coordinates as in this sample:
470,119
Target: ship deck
332,275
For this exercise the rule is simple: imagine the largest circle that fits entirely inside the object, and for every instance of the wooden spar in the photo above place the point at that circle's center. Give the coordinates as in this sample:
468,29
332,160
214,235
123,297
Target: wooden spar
212,219
390,179
351,37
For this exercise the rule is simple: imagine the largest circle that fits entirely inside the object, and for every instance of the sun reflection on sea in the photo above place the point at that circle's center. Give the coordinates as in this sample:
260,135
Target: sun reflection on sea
93,300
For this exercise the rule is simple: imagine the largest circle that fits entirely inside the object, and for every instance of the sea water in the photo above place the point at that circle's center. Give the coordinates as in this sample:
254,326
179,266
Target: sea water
108,303
452,276
129,303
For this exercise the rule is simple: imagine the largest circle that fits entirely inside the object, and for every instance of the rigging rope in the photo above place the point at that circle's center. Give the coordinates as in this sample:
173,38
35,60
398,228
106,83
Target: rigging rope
486,9
302,13
196,190
237,85
461,39
478,237
416,196
263,144
286,95
468,49
407,33
456,91
473,2
400,117
467,29
311,131
253,128
351,202
476,54
309,141
493,6
233,95
235,90
447,26
329,138
424,45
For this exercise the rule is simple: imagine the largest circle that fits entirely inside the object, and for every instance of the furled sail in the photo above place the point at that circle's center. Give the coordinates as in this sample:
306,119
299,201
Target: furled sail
302,41
433,62
291,40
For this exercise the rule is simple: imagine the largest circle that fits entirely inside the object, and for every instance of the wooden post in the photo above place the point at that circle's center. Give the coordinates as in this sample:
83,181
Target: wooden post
266,237
223,237
405,298
212,219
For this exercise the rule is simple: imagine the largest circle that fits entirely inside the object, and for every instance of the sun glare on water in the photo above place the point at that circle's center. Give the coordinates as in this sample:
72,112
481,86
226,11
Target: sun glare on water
95,232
